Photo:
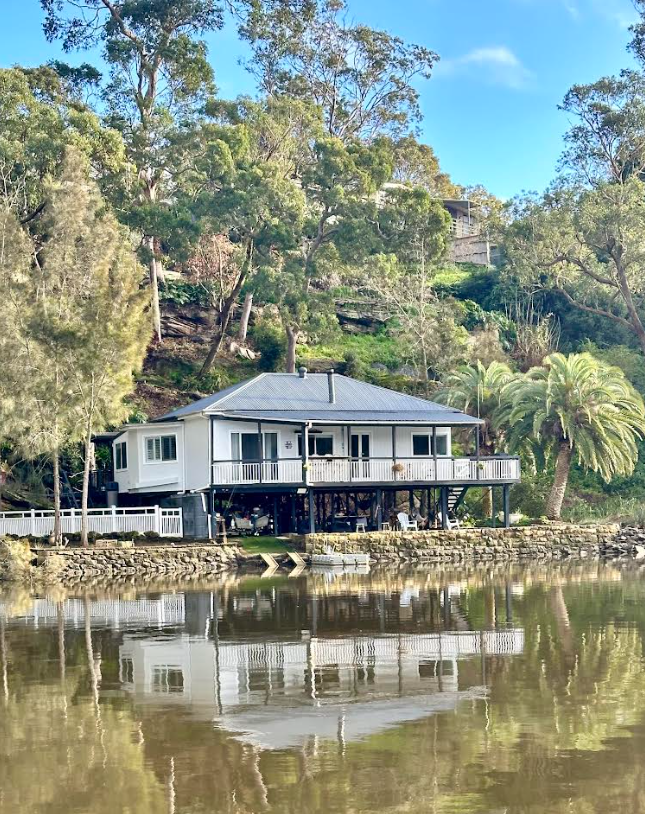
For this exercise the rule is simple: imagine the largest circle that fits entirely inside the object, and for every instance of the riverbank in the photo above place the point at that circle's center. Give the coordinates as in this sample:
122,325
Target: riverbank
540,542
21,561
24,560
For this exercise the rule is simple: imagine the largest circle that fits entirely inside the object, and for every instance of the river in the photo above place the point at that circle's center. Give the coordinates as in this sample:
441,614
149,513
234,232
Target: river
491,689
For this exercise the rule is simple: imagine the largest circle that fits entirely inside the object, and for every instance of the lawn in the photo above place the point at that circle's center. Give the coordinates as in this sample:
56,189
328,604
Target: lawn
265,545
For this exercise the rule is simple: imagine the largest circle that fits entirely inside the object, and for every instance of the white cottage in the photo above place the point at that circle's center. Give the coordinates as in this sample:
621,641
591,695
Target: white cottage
313,450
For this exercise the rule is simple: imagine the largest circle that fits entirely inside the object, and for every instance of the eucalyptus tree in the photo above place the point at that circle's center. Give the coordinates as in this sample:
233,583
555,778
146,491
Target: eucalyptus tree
578,408
159,79
363,83
362,79
243,195
588,245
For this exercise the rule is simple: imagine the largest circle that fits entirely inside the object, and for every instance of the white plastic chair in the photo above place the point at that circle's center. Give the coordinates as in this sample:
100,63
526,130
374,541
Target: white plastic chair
450,523
405,522
361,524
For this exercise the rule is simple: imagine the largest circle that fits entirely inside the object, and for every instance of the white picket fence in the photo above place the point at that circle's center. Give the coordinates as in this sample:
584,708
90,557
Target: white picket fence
40,522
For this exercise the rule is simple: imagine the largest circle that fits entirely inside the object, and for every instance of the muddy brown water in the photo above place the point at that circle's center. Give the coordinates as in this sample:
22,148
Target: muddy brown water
500,689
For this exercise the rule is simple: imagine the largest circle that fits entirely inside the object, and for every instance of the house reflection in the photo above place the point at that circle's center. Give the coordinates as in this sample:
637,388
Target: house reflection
276,688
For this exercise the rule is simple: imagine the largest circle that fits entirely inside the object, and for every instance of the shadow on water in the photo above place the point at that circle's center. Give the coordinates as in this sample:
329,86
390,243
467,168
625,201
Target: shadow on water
483,689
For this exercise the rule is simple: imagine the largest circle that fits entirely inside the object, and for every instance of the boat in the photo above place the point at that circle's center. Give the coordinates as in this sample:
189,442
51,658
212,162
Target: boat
338,559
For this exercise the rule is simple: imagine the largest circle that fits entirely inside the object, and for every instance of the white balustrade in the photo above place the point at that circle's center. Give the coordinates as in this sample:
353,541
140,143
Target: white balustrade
121,520
368,470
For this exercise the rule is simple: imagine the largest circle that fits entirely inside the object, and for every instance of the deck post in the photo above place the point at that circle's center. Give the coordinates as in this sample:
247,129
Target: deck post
393,443
434,452
275,515
294,519
444,507
32,522
312,512
349,450
260,450
305,452
411,500
477,445
379,508
506,499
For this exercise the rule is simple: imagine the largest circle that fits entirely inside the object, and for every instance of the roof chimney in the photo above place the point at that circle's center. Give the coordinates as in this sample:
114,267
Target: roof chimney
332,386
302,372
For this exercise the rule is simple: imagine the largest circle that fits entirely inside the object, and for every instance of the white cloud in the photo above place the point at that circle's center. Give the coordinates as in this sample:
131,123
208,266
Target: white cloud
620,12
495,64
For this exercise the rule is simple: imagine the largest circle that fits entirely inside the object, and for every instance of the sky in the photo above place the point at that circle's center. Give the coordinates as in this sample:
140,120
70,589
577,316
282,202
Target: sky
491,107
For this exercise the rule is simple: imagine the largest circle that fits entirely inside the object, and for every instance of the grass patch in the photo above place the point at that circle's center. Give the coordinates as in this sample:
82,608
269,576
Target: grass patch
266,545
365,348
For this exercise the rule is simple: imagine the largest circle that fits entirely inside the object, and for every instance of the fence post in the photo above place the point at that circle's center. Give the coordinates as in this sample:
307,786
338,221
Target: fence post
33,523
113,519
158,519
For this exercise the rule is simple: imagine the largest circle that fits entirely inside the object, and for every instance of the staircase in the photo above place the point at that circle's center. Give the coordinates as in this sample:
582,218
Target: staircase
456,494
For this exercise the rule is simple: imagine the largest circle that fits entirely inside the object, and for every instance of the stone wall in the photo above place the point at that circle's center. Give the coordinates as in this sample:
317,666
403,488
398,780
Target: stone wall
545,542
77,564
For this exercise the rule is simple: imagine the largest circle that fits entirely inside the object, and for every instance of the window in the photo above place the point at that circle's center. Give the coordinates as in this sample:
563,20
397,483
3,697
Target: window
318,445
161,448
167,679
422,444
121,455
245,446
126,673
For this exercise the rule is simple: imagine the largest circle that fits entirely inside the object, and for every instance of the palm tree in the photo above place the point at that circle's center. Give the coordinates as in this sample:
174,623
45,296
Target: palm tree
575,406
477,390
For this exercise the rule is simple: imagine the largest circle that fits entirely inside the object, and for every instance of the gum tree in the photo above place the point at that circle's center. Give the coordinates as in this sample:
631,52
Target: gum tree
159,79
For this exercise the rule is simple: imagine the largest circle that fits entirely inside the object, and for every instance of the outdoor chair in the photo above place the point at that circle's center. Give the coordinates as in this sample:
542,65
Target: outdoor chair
451,522
405,522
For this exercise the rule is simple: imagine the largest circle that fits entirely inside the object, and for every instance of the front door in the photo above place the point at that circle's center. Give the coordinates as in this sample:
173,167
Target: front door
360,451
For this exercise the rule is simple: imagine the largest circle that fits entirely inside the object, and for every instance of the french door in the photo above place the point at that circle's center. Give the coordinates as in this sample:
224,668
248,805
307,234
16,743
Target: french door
360,452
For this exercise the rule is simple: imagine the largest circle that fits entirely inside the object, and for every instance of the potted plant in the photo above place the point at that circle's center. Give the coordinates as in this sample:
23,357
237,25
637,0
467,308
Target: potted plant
397,469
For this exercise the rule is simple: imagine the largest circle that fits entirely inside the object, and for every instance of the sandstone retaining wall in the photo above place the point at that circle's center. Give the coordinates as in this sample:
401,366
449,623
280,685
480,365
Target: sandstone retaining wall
545,542
76,564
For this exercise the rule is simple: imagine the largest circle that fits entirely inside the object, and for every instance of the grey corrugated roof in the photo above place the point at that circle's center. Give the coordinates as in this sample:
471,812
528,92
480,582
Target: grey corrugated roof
444,417
287,396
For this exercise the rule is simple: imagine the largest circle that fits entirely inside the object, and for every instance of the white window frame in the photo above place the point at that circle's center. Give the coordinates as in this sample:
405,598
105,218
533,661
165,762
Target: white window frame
428,435
121,468
160,459
314,438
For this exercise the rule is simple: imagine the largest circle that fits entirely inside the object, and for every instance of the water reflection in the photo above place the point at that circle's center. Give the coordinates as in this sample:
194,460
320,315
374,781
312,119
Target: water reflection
450,690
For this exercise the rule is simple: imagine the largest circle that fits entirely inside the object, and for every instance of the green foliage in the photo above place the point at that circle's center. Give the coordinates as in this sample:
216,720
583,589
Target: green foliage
180,292
269,339
578,406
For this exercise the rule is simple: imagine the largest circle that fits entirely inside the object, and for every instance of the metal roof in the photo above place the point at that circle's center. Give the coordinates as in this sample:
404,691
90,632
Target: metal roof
289,397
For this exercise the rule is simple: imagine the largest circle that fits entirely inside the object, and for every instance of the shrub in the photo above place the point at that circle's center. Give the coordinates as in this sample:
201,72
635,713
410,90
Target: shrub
269,339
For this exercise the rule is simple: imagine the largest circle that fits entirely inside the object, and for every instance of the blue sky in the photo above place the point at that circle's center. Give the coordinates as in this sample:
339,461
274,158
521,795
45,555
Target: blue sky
491,107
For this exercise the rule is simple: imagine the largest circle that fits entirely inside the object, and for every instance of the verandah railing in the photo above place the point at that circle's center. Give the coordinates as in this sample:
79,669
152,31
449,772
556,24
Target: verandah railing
115,520
375,470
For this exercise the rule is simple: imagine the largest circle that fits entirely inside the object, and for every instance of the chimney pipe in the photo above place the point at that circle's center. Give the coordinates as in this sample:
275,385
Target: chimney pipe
302,372
332,386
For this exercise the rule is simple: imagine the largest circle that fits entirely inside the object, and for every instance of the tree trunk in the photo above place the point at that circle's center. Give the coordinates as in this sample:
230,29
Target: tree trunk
154,301
487,502
244,318
562,467
227,310
58,535
292,341
86,484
